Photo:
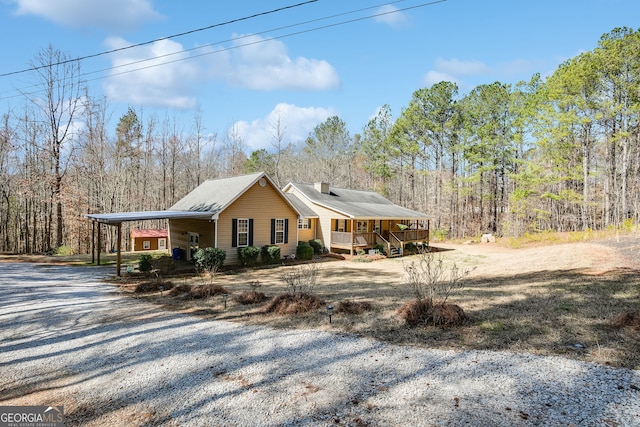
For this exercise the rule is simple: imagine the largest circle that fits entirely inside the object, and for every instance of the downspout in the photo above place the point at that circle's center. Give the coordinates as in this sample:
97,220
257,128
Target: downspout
215,230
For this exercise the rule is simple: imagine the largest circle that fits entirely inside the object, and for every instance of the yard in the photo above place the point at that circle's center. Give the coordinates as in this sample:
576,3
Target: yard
562,299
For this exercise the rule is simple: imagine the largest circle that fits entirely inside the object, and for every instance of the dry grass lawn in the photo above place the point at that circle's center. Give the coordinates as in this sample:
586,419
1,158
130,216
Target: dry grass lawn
562,299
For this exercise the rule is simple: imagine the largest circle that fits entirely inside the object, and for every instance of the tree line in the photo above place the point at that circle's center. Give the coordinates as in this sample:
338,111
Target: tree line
561,154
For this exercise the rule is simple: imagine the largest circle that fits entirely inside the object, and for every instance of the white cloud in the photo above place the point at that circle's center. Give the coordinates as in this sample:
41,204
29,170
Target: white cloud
295,124
111,15
391,16
457,67
432,77
171,84
452,70
263,64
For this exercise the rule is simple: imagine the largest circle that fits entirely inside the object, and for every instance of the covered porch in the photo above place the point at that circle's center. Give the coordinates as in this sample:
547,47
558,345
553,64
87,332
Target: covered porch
389,235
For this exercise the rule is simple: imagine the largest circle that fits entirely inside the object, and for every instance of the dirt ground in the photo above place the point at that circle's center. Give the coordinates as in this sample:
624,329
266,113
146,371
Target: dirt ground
559,299
553,299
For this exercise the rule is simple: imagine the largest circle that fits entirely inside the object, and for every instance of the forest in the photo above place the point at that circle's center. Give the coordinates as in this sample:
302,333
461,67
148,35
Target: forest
560,153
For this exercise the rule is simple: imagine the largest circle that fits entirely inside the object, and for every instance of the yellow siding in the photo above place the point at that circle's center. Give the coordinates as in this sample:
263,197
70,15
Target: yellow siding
325,216
179,229
260,204
306,234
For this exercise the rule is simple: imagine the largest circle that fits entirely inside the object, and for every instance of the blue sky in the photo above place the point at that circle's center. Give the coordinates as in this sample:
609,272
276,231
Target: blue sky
247,74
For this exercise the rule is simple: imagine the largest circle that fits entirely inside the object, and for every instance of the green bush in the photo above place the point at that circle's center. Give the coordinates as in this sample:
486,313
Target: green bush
304,251
209,259
380,249
144,263
63,251
316,244
248,255
270,254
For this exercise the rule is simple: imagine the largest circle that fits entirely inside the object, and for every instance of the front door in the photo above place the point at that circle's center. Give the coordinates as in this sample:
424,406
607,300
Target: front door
194,245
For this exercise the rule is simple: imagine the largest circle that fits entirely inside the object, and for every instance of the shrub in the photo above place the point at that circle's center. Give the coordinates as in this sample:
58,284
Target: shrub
316,244
301,279
144,263
209,259
270,254
248,255
432,282
380,249
304,251
63,251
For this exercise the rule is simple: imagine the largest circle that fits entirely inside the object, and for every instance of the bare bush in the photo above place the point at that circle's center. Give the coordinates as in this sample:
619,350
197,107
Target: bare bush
433,283
432,280
301,279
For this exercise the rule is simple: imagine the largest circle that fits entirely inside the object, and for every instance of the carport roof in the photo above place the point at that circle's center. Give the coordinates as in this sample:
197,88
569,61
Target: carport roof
115,218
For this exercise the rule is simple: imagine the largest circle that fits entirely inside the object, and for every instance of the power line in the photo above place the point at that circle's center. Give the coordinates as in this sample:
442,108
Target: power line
246,44
233,21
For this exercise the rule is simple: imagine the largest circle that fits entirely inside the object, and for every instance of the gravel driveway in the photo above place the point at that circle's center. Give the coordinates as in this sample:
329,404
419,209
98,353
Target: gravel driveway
68,339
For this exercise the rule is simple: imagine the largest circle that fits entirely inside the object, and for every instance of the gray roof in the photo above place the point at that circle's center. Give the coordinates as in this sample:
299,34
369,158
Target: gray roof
115,218
303,209
358,203
214,195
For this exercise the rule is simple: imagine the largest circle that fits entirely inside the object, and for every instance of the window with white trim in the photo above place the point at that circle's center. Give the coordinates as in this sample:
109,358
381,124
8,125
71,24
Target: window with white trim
362,226
279,232
243,232
146,244
304,223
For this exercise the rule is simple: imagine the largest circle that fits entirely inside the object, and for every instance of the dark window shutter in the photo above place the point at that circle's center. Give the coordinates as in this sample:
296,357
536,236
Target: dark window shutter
250,231
286,230
273,231
234,233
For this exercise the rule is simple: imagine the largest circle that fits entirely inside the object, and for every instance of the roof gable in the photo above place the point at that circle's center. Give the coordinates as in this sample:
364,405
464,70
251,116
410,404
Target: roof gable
214,195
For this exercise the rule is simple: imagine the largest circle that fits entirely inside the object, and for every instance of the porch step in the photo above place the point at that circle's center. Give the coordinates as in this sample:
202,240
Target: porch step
395,252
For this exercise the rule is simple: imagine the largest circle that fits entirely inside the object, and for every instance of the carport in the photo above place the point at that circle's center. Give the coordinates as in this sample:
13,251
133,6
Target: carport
116,220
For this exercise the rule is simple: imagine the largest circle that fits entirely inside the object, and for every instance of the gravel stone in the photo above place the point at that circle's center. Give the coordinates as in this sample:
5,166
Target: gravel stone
67,338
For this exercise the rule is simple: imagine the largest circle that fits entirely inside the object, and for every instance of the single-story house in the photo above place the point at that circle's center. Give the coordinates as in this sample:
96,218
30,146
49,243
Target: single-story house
148,239
246,210
250,210
355,220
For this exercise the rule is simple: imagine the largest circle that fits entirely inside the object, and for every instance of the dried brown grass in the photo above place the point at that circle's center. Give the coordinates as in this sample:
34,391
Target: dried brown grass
422,313
541,300
198,291
250,297
152,286
629,319
354,307
286,304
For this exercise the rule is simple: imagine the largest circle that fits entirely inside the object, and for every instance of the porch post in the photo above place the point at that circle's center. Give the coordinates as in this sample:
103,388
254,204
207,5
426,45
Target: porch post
119,249
99,241
352,237
93,242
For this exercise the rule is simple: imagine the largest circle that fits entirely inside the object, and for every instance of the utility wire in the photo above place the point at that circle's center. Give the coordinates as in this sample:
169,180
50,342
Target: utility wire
247,44
233,21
